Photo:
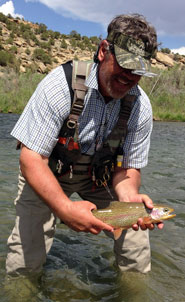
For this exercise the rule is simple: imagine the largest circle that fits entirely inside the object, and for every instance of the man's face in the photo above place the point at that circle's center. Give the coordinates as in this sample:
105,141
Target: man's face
114,81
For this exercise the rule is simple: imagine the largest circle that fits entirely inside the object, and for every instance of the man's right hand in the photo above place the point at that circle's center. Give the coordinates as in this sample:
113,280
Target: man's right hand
78,216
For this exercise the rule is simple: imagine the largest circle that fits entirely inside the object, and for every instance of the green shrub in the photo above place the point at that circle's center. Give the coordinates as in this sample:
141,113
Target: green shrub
3,18
42,28
24,27
166,93
76,58
16,89
40,55
81,45
12,35
9,40
165,50
75,34
73,42
51,41
44,36
63,36
57,35
45,45
6,58
13,49
95,40
27,51
177,57
63,44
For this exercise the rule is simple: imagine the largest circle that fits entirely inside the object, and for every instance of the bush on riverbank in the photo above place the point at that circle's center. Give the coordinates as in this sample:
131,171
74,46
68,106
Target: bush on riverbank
167,92
16,89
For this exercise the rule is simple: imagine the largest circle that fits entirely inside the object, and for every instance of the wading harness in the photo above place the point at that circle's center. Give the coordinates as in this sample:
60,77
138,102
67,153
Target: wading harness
67,150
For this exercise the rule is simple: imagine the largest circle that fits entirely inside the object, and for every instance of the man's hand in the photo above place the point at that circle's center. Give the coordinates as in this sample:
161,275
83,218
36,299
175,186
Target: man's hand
126,184
149,204
78,216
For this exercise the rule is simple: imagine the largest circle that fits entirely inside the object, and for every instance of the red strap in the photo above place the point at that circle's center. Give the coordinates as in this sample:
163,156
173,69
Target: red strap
70,145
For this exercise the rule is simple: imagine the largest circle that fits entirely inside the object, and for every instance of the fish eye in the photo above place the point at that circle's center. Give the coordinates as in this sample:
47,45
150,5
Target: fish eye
166,210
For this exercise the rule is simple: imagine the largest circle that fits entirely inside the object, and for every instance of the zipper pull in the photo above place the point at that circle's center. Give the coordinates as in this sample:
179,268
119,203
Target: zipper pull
93,176
71,172
107,189
59,166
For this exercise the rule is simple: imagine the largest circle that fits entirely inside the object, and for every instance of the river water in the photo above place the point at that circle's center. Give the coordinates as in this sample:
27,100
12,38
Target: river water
80,267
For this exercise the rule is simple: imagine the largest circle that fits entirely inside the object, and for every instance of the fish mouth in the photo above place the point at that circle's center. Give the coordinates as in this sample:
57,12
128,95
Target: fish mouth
170,214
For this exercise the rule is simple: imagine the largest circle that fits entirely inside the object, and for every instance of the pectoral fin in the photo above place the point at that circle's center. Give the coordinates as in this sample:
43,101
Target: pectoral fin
147,220
117,233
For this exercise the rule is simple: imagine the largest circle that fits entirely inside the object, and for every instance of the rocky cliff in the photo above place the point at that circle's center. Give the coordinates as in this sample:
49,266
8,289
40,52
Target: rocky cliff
25,45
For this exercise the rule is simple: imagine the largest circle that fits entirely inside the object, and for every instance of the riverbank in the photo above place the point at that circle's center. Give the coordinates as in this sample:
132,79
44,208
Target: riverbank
166,92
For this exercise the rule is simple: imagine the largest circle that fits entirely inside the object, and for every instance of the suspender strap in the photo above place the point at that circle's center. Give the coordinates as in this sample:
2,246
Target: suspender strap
80,72
68,73
117,137
76,73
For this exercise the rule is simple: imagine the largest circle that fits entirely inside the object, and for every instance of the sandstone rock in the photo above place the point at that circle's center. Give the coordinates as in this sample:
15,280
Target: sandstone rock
32,43
182,60
23,56
20,42
41,67
165,59
153,61
22,69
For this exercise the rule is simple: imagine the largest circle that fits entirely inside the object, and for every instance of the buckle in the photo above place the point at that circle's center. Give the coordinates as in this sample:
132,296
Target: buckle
71,124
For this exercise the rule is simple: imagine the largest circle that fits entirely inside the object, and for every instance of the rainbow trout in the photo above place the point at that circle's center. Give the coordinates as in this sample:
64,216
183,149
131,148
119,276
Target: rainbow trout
122,215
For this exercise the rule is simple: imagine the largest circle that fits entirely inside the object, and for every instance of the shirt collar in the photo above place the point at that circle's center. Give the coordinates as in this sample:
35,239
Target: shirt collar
92,80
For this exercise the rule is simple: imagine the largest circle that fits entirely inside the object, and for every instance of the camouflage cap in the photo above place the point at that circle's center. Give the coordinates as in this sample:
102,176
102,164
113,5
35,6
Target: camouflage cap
131,54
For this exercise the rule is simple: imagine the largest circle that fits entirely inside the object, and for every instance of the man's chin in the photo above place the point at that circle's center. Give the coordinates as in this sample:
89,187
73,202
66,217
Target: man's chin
119,95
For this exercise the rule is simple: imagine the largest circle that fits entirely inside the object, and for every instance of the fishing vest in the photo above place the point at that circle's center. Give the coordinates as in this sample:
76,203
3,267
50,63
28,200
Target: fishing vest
68,150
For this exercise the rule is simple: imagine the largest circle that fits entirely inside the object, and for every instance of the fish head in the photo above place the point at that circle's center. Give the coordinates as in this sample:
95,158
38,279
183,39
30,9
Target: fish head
161,212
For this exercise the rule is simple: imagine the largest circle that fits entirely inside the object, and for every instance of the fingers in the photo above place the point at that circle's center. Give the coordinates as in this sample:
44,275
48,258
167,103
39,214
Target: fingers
81,218
160,225
151,226
147,201
102,226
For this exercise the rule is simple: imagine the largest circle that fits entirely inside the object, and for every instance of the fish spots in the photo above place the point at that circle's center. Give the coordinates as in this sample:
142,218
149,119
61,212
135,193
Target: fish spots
105,211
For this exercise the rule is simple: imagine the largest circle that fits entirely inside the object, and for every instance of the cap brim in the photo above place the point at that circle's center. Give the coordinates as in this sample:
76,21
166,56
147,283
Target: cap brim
129,60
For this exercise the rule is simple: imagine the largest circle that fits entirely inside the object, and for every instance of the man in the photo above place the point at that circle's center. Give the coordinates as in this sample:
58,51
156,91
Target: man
121,60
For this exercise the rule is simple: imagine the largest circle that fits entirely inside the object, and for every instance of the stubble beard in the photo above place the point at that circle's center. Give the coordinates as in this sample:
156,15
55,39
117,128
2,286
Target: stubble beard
112,90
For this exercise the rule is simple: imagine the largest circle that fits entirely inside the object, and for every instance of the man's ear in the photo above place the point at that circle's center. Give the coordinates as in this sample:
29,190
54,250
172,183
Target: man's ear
104,46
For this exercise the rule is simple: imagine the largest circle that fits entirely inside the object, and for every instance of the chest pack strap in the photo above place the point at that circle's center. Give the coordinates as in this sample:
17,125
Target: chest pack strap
76,73
68,69
118,135
110,154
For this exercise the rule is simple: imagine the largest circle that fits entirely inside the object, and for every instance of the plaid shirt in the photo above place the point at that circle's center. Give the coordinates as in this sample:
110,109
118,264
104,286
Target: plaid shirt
39,124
